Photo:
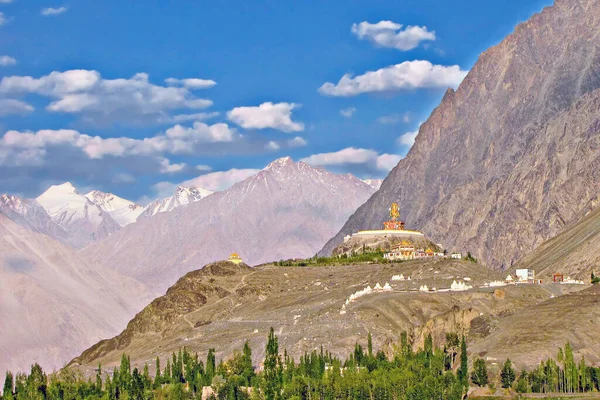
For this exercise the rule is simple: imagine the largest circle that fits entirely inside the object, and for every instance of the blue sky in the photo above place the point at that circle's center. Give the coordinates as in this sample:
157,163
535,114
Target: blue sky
220,89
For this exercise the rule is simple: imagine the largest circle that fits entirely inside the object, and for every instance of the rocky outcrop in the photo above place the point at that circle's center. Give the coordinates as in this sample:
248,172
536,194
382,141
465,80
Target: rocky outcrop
511,157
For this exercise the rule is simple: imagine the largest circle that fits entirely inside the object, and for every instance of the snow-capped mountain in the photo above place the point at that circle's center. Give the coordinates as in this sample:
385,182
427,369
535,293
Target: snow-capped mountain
287,210
374,183
182,196
123,211
83,220
31,215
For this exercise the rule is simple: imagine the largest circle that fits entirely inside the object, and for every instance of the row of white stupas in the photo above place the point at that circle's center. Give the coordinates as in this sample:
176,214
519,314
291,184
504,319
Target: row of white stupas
368,290
400,278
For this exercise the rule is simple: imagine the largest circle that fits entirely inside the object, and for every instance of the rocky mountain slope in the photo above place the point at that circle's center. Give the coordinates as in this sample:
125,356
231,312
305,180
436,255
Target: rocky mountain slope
575,252
510,158
83,220
223,305
182,197
53,303
122,211
287,210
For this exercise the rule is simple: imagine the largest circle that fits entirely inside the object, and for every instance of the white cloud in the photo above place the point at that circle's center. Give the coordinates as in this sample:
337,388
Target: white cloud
53,11
386,162
267,115
408,75
6,1
221,180
176,140
3,19
408,139
167,168
297,142
203,168
272,145
391,34
6,61
348,112
86,93
191,83
351,155
11,106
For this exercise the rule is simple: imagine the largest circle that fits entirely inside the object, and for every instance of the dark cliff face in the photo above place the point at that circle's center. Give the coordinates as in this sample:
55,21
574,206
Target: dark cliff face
511,157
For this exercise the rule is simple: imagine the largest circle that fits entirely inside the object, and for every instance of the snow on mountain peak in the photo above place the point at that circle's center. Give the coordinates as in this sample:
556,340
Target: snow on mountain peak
123,211
280,163
183,196
374,183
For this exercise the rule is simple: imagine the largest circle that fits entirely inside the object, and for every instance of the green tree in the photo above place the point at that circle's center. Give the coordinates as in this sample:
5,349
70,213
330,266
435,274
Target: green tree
507,376
370,345
7,393
479,376
463,370
272,378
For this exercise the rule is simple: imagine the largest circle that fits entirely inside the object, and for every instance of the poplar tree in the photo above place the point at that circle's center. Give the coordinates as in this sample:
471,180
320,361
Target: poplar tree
272,386
507,375
7,393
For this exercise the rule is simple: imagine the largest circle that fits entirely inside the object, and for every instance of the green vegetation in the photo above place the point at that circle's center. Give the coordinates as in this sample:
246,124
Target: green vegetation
470,257
479,376
318,375
366,257
404,374
595,279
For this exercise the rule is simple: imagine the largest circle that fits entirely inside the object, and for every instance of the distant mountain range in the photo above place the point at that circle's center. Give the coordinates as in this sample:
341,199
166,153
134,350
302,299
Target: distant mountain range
77,220
287,210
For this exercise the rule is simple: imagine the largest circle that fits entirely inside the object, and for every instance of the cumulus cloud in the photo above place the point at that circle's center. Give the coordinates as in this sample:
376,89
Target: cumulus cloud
191,83
221,180
390,34
86,93
175,140
272,145
408,75
6,61
297,142
348,112
3,19
407,139
368,159
12,107
267,115
203,168
50,11
167,168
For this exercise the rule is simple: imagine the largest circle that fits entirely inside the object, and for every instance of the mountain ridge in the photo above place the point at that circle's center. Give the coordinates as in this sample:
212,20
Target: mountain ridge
286,210
531,98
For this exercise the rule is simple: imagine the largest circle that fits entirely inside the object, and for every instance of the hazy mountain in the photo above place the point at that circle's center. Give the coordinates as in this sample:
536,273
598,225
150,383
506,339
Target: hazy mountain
123,211
287,210
182,197
53,303
510,158
30,214
83,220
